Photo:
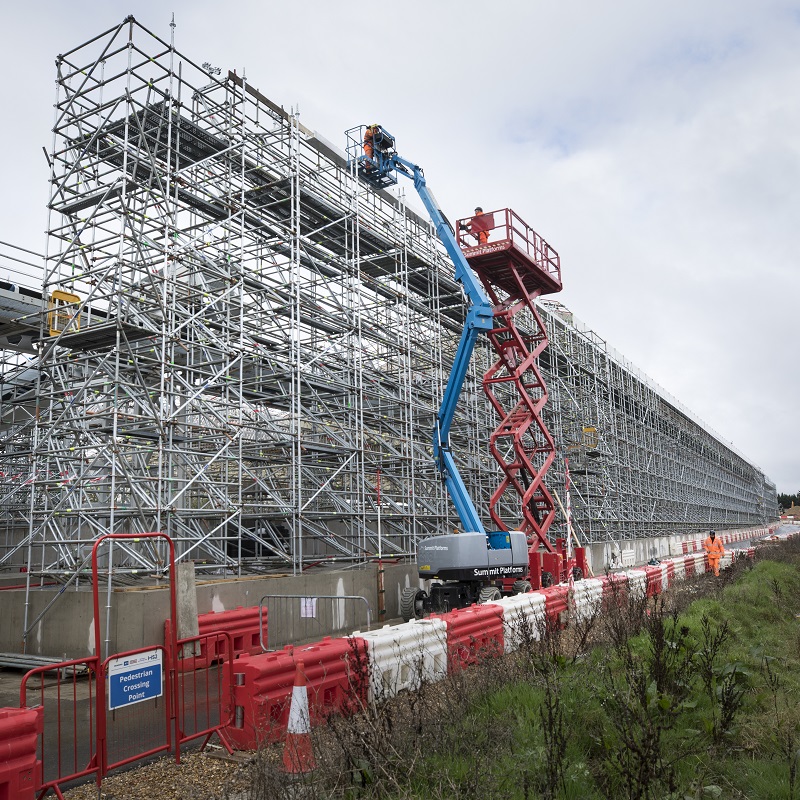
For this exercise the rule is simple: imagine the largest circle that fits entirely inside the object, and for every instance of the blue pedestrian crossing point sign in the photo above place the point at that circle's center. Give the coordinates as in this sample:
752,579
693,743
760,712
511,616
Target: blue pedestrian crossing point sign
135,678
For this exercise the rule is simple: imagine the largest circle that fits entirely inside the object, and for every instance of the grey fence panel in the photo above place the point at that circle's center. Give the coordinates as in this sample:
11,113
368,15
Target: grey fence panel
295,619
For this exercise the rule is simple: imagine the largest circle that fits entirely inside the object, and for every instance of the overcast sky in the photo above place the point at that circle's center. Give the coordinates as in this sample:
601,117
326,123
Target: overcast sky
655,145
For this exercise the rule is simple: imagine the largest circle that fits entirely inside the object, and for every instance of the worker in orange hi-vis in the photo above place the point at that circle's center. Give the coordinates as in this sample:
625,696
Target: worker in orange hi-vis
369,140
714,550
479,227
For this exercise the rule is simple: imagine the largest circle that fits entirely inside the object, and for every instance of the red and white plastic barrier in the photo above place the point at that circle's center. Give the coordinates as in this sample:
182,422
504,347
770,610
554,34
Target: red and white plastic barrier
587,599
343,674
523,615
390,648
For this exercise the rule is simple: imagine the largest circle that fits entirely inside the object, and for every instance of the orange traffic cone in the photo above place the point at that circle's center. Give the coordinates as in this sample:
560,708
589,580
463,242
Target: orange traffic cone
298,755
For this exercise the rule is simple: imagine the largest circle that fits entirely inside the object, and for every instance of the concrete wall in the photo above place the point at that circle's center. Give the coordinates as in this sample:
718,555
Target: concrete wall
610,555
138,614
65,630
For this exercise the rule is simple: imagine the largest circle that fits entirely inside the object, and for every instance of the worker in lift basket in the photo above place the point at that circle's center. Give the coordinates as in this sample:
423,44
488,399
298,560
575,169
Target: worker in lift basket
714,550
369,141
478,227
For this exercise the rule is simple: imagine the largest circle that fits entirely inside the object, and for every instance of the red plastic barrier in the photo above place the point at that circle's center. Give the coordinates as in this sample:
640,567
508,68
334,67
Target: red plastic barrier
338,681
241,623
555,605
670,573
262,687
654,580
685,547
20,770
473,635
615,589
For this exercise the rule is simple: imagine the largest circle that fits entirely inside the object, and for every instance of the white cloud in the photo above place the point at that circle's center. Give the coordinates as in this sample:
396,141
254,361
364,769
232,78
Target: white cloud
654,145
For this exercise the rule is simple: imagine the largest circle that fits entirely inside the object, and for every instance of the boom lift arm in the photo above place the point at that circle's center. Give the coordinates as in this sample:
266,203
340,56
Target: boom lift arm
476,565
381,169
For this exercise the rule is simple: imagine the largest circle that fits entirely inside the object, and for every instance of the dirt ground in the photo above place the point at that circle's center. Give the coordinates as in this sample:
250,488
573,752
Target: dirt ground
199,776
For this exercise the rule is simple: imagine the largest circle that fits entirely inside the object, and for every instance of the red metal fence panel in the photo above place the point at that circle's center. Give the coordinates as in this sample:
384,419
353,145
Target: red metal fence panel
140,727
72,744
66,693
205,694
96,716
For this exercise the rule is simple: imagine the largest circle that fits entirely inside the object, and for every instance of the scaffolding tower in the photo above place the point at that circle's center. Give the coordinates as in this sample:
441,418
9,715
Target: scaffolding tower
234,336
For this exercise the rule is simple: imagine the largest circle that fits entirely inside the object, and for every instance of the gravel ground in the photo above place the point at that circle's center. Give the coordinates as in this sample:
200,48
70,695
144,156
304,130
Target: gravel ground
199,776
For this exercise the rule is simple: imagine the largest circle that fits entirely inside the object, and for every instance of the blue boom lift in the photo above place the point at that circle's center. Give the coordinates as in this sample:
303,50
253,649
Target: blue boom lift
473,563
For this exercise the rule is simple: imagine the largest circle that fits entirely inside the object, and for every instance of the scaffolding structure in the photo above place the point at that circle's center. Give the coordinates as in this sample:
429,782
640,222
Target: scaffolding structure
641,463
235,336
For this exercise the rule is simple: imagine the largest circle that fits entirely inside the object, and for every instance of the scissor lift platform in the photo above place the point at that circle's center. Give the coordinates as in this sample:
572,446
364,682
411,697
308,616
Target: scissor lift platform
515,258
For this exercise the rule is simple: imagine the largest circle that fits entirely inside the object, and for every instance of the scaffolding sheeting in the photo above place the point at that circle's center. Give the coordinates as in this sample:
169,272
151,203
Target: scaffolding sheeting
255,333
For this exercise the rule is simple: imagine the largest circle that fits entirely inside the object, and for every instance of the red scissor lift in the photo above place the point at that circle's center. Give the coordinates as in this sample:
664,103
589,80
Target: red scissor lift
515,266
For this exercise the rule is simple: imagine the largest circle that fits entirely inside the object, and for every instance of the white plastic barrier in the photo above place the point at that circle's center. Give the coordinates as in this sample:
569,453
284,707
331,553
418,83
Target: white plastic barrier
664,578
586,598
523,616
700,563
680,569
405,656
637,583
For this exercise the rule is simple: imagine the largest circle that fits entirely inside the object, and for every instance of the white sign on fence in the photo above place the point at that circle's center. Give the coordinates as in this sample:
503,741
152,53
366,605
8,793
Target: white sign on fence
134,679
308,607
